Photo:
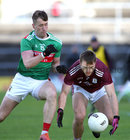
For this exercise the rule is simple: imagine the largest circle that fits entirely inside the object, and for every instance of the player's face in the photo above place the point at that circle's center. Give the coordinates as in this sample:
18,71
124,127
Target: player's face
41,28
87,68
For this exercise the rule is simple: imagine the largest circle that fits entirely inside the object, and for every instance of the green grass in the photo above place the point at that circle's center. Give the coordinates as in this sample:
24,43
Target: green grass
25,123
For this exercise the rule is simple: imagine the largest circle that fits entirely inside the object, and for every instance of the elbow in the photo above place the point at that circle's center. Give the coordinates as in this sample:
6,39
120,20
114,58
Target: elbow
27,66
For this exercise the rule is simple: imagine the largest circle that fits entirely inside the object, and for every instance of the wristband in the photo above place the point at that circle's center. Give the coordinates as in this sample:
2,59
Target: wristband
60,109
42,55
118,117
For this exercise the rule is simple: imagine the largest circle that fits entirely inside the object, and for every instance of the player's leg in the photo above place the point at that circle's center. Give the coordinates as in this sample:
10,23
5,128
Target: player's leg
103,105
15,94
79,103
48,92
6,107
100,100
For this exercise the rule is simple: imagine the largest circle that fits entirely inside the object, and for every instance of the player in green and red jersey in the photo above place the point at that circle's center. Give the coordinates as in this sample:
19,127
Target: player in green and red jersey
40,51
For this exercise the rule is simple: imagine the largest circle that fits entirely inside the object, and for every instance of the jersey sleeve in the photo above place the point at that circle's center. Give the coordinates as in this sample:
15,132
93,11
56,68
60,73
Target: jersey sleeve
107,79
25,45
68,79
58,47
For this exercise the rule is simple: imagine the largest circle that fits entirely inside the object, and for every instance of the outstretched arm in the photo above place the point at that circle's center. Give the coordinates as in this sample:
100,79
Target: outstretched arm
114,104
63,96
112,97
62,102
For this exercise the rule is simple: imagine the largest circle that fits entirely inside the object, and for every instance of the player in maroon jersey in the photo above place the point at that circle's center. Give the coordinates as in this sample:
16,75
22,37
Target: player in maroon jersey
91,81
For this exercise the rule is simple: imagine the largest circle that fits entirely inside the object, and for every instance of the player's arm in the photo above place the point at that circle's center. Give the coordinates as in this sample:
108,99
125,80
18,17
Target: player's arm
112,97
55,63
29,59
56,67
62,102
109,87
114,104
63,96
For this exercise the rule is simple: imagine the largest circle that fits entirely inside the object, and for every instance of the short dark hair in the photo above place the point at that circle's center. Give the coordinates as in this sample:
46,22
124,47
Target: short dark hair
88,56
39,14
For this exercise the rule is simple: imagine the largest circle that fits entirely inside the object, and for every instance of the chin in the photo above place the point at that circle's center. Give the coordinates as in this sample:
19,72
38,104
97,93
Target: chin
88,74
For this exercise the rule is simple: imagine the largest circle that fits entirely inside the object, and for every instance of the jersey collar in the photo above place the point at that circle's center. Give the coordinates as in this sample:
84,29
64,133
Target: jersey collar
41,38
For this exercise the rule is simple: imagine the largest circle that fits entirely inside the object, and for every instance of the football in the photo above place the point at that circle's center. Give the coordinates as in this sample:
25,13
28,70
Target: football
98,122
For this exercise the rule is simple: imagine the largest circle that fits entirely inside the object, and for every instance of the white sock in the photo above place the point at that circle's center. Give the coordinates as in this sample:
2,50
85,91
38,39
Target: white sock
77,139
44,132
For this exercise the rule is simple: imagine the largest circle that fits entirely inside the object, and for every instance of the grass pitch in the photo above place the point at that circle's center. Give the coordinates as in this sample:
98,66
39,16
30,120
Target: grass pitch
25,123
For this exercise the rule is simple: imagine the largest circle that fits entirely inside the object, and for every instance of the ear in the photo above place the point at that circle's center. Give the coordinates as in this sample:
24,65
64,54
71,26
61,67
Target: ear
33,26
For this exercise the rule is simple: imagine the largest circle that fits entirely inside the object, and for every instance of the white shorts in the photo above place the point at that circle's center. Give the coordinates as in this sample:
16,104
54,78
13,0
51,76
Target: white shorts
21,86
92,97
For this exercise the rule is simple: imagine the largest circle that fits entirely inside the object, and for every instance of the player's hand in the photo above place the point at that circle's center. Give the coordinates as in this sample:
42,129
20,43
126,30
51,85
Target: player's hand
60,113
114,124
61,69
49,50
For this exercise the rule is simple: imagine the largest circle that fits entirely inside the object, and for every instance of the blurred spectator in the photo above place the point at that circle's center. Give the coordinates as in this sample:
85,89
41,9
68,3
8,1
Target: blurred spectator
100,52
74,55
55,11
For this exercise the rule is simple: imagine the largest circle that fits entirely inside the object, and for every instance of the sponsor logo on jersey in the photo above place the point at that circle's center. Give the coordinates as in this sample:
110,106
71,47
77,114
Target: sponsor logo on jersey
79,78
87,83
47,58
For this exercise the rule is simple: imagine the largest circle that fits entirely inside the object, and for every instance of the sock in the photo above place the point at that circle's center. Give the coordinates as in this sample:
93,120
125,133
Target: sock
46,126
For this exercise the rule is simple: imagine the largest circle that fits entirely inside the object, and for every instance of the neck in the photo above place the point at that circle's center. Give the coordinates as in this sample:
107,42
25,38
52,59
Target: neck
46,35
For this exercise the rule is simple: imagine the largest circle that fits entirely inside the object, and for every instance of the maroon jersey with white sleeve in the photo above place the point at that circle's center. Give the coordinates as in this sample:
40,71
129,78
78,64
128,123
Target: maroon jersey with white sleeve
100,77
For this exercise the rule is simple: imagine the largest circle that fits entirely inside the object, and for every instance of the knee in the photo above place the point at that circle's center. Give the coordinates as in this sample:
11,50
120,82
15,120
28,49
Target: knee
79,118
48,94
52,94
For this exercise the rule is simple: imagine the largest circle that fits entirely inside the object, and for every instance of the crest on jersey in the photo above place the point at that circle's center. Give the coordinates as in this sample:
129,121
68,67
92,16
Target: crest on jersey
94,80
42,47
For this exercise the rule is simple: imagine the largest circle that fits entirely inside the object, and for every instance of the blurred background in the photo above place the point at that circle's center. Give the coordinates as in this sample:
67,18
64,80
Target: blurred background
75,22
